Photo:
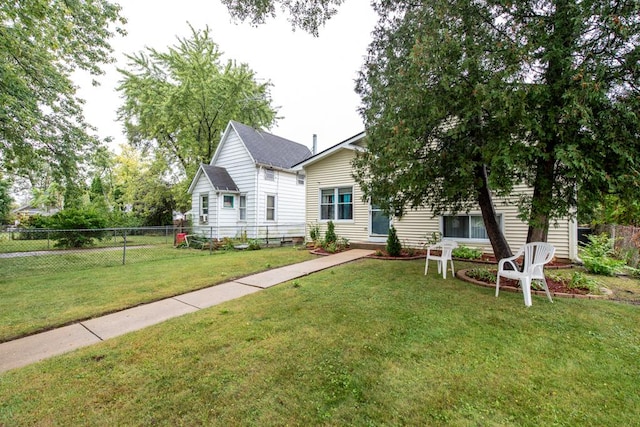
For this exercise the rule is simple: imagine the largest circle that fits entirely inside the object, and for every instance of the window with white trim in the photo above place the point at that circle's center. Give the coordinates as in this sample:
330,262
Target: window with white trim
242,207
204,208
271,208
227,201
300,178
465,226
336,203
269,175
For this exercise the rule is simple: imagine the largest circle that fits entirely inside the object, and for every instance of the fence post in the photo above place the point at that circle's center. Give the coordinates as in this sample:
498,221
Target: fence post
166,234
48,246
124,246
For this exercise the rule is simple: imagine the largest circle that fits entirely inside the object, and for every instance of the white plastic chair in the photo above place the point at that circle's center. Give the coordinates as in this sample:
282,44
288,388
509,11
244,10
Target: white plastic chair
445,247
536,255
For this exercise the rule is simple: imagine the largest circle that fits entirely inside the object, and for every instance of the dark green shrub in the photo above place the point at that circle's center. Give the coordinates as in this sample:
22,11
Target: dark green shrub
330,235
314,232
78,228
394,247
30,227
483,275
254,245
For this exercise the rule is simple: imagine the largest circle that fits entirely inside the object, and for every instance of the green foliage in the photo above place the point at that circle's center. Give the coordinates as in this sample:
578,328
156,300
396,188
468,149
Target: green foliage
483,275
330,235
466,253
178,102
394,247
314,232
451,96
254,245
309,16
581,281
597,256
43,44
75,225
5,201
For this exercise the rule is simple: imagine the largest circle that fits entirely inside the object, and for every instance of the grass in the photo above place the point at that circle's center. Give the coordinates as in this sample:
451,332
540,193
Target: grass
368,343
33,303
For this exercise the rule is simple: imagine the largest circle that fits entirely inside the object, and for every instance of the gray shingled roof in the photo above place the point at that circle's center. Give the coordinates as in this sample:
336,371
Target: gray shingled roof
271,150
220,178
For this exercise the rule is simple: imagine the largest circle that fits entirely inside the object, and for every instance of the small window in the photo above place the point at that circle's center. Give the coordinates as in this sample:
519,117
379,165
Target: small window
269,175
271,208
227,201
204,209
243,207
300,178
465,227
327,204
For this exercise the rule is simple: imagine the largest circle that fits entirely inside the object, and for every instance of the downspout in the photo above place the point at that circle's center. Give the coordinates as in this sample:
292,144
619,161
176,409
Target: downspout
218,215
257,200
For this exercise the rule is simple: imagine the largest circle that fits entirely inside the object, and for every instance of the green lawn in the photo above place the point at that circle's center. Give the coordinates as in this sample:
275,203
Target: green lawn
368,343
61,294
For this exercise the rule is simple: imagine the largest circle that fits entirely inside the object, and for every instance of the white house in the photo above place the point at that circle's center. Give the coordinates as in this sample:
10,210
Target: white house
332,194
249,186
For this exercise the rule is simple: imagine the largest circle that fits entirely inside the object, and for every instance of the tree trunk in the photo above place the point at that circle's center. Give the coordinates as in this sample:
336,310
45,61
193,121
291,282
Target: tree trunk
541,202
499,243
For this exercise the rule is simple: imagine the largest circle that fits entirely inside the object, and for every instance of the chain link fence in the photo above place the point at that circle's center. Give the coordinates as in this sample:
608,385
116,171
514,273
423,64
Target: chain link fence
35,251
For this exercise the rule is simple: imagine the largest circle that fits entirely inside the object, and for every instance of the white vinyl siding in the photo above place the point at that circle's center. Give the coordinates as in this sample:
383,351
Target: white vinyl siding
330,173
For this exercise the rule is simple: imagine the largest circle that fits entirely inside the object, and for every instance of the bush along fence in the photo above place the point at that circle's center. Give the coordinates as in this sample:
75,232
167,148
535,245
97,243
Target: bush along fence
25,251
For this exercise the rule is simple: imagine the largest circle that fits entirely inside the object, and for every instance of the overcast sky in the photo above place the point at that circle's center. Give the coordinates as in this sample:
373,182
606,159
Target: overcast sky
313,78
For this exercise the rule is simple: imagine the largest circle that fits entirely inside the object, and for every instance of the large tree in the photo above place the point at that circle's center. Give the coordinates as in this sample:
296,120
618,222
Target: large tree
41,44
178,102
430,90
574,65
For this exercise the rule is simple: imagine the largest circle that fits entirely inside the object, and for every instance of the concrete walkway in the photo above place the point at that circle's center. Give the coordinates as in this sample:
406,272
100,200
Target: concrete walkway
24,351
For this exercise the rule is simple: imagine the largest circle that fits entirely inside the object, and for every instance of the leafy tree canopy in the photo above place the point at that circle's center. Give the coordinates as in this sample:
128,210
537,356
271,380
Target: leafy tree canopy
177,103
308,15
41,44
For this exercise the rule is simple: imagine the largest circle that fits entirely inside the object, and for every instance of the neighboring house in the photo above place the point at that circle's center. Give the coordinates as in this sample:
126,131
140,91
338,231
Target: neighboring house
333,194
249,186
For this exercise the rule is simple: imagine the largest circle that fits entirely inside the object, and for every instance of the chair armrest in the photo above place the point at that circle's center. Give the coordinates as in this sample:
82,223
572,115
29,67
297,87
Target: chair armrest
509,261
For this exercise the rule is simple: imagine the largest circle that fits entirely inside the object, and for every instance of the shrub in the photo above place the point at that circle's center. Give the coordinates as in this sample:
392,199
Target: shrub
596,256
466,253
75,225
330,235
580,281
314,232
483,275
394,247
254,245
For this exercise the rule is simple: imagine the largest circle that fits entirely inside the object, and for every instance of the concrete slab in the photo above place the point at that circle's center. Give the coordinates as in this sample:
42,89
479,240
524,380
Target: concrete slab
31,349
216,294
136,318
273,277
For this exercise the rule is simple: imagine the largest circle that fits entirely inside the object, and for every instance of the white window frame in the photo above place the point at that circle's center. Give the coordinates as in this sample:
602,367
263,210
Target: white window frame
300,178
204,208
499,217
334,212
242,210
224,201
267,208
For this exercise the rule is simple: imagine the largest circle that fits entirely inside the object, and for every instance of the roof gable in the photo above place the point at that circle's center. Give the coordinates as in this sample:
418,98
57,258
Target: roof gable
356,142
270,150
217,176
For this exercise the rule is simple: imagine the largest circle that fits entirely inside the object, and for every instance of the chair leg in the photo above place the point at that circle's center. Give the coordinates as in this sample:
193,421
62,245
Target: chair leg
546,289
443,268
453,272
497,285
526,290
426,266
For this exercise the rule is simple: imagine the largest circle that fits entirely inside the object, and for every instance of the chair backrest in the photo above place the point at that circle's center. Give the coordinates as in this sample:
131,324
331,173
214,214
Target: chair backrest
536,254
447,247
